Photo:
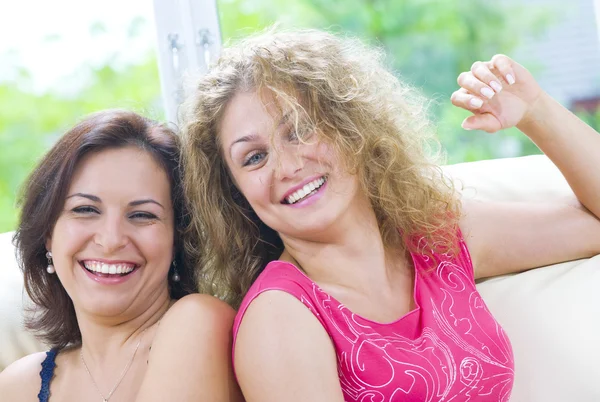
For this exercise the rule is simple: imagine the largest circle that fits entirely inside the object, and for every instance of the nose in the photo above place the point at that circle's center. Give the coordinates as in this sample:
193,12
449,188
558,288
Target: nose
289,161
111,234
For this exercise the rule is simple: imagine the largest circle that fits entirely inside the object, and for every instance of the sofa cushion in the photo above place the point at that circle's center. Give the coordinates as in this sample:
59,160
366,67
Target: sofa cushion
551,314
552,318
15,342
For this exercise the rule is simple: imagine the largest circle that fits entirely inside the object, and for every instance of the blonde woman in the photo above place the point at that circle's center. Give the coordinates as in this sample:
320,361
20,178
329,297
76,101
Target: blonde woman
350,257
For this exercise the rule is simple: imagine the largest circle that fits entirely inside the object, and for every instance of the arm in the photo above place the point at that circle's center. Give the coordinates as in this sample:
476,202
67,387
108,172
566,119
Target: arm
505,237
21,380
190,358
511,237
283,353
572,145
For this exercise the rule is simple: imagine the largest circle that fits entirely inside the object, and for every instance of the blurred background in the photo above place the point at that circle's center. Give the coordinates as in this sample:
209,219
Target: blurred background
62,59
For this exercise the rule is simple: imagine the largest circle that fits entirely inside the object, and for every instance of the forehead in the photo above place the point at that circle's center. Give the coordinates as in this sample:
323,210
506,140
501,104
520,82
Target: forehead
248,113
129,171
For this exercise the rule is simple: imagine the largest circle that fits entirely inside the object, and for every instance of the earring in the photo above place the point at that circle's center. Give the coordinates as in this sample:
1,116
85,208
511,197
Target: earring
50,269
175,276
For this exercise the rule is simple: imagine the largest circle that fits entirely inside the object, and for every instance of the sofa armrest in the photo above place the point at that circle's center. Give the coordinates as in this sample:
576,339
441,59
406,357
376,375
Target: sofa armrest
551,314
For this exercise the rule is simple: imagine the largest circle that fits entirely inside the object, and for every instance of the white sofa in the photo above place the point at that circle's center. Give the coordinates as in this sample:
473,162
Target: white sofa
551,314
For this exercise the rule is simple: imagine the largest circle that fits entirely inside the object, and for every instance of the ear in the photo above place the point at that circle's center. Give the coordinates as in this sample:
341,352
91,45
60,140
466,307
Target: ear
48,243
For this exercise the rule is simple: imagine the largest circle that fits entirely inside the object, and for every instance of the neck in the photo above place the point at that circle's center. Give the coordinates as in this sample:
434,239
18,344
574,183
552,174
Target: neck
103,339
350,255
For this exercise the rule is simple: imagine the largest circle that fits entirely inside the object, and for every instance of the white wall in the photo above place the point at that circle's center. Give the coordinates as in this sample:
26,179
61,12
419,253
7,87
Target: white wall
566,59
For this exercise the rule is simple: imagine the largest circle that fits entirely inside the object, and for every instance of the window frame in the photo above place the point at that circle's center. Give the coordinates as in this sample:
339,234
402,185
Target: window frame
188,39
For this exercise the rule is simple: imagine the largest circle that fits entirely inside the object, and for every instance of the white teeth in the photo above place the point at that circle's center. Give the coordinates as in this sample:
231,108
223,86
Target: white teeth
306,190
112,269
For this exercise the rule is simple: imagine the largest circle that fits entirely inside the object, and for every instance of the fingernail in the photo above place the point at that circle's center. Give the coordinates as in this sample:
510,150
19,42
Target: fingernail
496,85
510,79
488,93
476,102
465,128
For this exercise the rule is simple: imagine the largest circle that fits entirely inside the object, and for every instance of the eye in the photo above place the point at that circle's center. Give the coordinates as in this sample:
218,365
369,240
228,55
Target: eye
254,158
143,216
85,210
302,131
293,136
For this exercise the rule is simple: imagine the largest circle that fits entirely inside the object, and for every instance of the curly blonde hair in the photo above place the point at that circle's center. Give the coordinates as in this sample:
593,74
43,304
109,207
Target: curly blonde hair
375,123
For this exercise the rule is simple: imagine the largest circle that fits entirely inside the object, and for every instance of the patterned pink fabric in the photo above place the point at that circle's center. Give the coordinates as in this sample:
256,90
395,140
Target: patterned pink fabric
449,348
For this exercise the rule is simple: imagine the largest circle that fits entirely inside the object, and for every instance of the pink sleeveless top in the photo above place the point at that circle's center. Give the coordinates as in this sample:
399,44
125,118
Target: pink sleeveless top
449,348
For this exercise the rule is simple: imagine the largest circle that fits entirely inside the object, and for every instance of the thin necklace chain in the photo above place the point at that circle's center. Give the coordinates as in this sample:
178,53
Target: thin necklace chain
125,370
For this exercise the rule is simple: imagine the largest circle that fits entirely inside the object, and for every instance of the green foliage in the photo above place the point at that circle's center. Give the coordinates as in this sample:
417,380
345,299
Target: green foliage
593,119
429,42
32,122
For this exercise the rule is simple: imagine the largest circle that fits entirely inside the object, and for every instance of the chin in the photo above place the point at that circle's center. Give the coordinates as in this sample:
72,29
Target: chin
105,307
309,229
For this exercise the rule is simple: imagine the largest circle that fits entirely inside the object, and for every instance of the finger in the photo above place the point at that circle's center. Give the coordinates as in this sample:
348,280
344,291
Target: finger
503,64
482,72
485,121
462,99
469,82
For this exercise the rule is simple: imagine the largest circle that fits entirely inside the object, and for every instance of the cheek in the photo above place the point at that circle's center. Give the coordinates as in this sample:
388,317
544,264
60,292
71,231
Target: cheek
325,155
255,187
156,245
68,237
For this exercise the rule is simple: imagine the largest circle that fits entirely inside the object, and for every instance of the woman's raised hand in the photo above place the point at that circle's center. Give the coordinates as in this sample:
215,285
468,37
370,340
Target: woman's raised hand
500,93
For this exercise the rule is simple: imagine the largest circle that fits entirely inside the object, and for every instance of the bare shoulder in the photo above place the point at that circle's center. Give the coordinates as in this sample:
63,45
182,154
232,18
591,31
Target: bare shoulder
280,347
190,359
278,309
198,312
21,380
274,320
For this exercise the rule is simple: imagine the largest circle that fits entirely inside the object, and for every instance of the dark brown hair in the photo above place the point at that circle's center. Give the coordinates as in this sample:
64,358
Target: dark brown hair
43,196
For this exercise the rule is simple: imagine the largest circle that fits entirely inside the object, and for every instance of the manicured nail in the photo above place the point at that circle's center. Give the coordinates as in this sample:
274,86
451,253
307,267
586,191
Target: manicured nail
510,79
465,128
476,102
488,93
496,85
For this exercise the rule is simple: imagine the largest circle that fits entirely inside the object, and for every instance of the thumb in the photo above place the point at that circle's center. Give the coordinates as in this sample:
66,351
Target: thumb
485,121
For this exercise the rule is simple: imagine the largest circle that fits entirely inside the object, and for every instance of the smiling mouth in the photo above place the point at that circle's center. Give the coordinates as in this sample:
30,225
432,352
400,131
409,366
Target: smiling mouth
108,270
305,192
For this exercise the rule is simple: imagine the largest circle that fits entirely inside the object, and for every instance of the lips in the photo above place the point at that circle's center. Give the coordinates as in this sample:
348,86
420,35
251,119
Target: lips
304,191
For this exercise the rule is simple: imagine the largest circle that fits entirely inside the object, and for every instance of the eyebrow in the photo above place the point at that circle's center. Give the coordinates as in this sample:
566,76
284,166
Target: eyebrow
132,203
83,195
284,119
254,136
145,201
246,138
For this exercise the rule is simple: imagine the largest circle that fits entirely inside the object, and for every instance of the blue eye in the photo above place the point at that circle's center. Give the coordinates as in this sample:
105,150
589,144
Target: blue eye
254,158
